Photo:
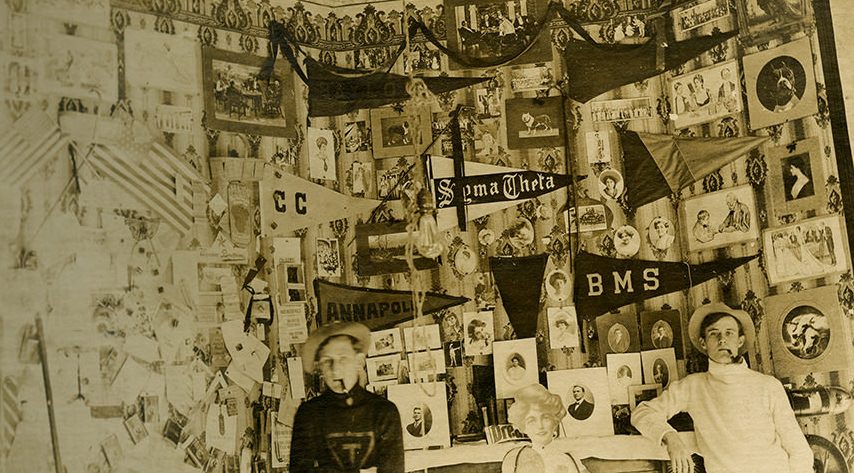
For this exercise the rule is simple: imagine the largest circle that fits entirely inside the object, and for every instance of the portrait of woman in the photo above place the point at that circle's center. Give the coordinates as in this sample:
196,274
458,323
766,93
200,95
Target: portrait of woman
626,241
611,184
661,233
537,413
557,285
515,368
700,94
478,334
521,234
797,177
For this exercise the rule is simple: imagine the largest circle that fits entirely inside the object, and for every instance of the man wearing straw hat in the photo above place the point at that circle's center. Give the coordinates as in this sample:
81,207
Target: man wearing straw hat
345,429
742,419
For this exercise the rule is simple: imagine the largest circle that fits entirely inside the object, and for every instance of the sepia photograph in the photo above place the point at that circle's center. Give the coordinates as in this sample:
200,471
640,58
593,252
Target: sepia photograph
624,371
618,333
479,333
384,342
593,218
662,329
423,414
563,327
796,178
383,368
534,123
808,249
557,285
627,241
699,13
321,153
705,94
659,366
515,366
586,397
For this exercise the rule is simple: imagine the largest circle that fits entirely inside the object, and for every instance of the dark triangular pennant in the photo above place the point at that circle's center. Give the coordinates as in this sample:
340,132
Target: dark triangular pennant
497,187
520,284
603,283
375,308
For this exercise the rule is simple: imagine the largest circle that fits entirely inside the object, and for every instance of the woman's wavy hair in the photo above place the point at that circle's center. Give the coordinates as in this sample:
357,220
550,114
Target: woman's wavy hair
534,395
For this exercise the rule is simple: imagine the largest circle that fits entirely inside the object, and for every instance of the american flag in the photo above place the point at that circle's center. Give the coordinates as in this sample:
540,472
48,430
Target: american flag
27,145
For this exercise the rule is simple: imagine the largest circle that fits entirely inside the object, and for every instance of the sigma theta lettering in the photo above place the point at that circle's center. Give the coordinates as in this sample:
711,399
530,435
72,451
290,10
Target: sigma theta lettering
622,282
279,198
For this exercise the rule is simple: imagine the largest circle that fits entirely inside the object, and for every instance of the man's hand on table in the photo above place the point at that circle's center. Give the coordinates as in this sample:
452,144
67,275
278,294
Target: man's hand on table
680,454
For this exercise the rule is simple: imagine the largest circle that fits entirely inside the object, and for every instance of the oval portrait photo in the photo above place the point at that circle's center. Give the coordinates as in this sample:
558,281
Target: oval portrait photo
661,334
422,421
521,234
618,338
557,285
806,332
626,241
580,402
660,372
661,233
781,84
611,184
624,375
515,368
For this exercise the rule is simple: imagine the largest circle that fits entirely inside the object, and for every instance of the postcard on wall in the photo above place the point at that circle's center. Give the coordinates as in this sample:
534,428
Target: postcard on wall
534,123
618,110
662,329
328,258
618,333
426,366
479,332
598,147
383,368
699,13
624,370
594,218
586,396
384,342
659,366
293,328
721,218
357,137
80,68
796,178
760,21
563,327
643,392
423,411
524,79
705,94
381,249
148,67
808,249
321,153
422,337
515,366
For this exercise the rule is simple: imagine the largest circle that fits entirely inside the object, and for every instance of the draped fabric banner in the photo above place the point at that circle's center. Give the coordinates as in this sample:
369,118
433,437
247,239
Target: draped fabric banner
375,308
290,202
499,187
679,161
520,284
603,283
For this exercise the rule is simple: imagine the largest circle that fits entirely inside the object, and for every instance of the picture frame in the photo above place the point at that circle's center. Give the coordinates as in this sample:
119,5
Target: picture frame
659,367
384,342
807,332
360,180
479,332
524,79
563,327
624,371
780,84
422,337
393,175
712,224
589,409
328,258
557,283
247,105
699,13
627,241
426,366
535,123
618,110
321,153
515,366
808,249
431,400
662,329
618,333
795,178
594,218
706,94
381,249
471,30
643,392
396,134
611,184
758,26
383,368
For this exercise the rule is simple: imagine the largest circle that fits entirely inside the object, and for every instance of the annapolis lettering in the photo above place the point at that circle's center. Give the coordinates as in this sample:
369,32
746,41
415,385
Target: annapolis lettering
500,187
367,310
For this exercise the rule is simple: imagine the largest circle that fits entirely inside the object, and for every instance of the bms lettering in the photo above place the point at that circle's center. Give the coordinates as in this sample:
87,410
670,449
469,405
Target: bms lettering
623,282
279,198
517,184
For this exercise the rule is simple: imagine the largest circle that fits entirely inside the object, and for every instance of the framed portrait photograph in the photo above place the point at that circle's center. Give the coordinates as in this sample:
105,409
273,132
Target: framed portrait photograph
808,249
557,285
479,332
598,147
594,218
780,84
587,400
563,327
534,123
795,178
624,371
627,241
643,392
699,13
398,134
611,184
523,79
422,337
515,365
426,366
491,29
662,329
393,175
618,110
357,137
328,258
381,249
705,94
807,331
384,342
618,333
659,366
423,414
383,368
660,234
721,218
759,20
237,101
321,153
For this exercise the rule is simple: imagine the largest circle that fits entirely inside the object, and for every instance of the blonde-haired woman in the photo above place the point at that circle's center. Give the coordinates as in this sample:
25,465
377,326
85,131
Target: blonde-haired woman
537,413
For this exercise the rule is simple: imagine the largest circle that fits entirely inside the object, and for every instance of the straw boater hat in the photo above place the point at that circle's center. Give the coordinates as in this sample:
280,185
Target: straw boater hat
353,329
715,307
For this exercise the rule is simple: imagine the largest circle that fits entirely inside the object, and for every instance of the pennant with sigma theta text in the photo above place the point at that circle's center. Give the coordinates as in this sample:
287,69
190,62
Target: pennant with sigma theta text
679,161
375,308
497,187
603,283
520,284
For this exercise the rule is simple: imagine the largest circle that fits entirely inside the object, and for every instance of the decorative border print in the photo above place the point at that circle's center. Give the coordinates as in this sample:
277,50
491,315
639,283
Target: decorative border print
584,420
236,101
706,94
620,110
662,329
699,13
758,25
431,403
808,249
490,29
515,366
659,367
722,218
807,332
618,333
795,178
396,134
624,371
780,84
534,123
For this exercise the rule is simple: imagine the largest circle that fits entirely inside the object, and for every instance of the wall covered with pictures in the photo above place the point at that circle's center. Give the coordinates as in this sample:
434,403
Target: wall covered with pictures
152,154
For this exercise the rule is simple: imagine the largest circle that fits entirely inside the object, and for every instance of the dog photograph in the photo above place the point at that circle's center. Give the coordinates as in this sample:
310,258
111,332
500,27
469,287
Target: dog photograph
533,123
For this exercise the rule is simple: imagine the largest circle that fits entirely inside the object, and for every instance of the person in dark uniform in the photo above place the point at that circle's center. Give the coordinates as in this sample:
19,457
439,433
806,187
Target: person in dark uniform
345,429
581,408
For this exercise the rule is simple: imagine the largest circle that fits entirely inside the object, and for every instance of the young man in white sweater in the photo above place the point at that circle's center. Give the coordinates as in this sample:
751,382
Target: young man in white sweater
742,419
